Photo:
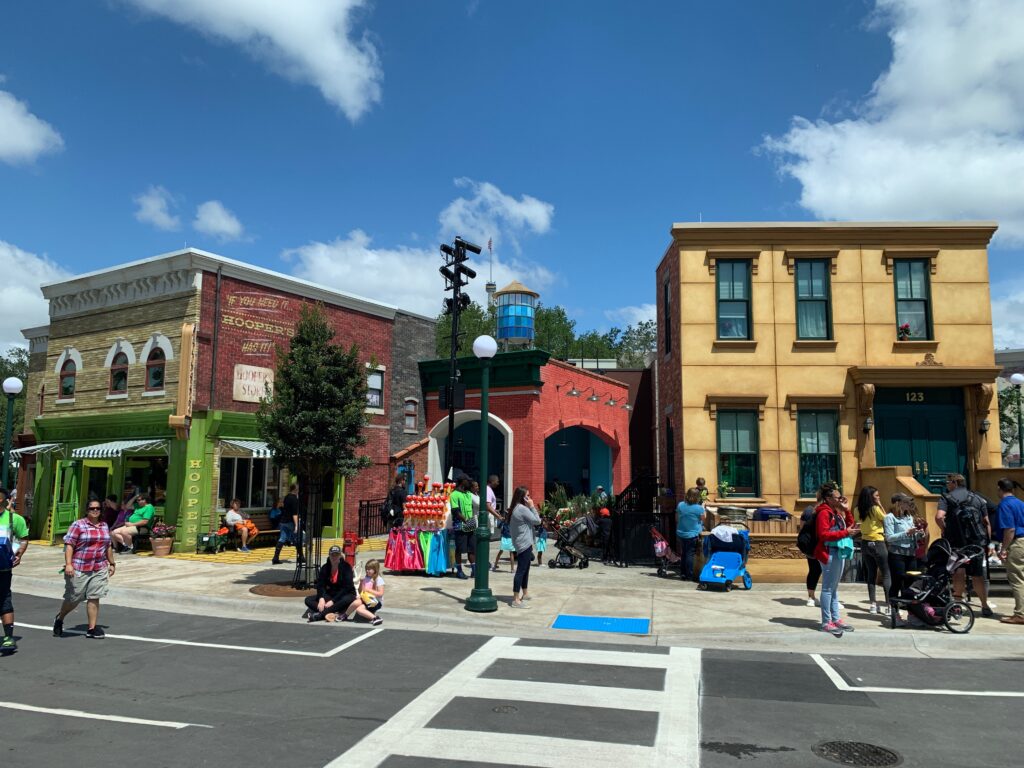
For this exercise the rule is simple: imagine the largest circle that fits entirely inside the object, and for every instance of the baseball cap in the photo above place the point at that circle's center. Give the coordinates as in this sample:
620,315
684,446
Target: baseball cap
334,550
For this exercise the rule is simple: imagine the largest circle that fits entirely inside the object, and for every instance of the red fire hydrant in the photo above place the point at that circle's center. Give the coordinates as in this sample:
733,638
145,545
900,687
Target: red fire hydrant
352,540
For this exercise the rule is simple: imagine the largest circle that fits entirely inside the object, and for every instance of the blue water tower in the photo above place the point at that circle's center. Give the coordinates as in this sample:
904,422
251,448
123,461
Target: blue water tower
516,307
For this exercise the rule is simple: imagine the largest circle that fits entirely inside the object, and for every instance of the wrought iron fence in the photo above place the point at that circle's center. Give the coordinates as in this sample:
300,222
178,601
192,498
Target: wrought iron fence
634,514
370,521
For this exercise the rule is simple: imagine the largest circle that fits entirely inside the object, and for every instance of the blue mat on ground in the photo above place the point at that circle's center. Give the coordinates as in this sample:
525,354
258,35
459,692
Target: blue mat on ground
603,624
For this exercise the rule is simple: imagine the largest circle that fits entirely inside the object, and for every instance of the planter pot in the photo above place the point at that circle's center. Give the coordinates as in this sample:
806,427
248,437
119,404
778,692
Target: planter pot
162,547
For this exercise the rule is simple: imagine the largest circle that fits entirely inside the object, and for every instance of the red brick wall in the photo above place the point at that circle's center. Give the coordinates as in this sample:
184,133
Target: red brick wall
253,319
532,418
670,396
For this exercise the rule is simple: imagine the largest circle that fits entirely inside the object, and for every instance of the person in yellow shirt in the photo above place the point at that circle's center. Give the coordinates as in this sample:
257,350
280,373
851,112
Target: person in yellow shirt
872,535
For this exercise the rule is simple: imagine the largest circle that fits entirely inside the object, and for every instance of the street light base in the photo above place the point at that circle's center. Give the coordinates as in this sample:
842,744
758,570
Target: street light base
481,601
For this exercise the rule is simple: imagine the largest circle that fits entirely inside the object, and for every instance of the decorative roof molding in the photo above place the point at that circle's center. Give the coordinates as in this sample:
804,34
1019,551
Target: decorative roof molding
792,255
113,293
794,403
714,403
931,255
869,234
745,254
38,339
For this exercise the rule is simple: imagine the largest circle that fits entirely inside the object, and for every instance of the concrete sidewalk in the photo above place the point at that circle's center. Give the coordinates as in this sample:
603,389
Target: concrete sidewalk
769,617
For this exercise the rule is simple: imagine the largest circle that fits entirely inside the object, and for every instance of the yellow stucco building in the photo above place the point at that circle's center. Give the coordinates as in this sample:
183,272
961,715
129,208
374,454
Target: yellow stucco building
793,353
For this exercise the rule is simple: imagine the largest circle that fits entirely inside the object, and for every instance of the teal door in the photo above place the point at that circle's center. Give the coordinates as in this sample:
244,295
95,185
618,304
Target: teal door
923,429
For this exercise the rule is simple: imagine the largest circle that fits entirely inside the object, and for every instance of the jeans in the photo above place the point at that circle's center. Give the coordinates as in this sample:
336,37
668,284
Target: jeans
813,574
876,558
521,581
687,548
287,535
831,573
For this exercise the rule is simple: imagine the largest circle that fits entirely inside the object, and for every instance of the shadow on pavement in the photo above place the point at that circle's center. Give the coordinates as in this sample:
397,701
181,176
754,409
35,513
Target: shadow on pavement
794,601
440,591
796,623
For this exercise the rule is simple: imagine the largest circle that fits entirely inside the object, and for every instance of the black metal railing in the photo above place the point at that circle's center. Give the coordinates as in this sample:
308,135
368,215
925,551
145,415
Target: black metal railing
634,513
370,521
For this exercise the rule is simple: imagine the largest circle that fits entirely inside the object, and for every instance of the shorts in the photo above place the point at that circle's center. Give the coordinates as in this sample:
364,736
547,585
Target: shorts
506,544
465,541
6,601
85,586
975,567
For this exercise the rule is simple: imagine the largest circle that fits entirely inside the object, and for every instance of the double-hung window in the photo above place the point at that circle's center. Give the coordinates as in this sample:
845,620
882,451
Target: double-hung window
733,282
913,298
813,299
375,389
819,455
738,452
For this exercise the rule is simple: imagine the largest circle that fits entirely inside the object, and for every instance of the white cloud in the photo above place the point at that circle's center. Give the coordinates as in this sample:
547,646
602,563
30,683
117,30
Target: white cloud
154,207
23,136
624,316
212,218
24,272
490,213
940,135
1008,317
407,276
307,41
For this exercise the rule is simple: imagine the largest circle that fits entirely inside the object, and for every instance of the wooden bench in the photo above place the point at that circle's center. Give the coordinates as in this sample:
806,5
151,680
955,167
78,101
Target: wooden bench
261,519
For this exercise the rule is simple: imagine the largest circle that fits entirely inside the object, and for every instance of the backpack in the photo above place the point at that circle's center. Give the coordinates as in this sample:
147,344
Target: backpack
807,539
963,523
387,512
275,515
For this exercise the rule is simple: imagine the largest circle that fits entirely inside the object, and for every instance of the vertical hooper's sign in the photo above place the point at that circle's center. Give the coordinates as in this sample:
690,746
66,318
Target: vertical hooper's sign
251,382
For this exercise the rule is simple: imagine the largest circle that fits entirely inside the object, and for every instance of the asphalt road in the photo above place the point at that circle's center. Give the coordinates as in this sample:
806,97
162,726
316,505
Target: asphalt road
225,692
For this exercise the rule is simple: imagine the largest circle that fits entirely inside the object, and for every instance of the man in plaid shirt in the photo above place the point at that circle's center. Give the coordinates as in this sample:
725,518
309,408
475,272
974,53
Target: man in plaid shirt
88,559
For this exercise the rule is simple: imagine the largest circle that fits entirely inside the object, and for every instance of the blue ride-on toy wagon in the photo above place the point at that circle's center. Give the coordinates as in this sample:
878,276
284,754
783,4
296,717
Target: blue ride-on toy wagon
725,561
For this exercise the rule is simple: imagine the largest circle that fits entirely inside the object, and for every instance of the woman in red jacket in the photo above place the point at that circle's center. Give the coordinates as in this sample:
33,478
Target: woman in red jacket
833,522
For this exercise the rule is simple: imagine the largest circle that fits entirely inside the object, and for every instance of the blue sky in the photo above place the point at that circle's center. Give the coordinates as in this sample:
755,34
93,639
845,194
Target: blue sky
341,141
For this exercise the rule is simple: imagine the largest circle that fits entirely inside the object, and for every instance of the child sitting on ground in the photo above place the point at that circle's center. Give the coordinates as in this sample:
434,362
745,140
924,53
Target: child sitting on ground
371,588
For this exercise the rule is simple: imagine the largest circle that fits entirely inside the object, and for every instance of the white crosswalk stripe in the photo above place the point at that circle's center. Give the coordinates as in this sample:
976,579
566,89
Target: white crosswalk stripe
676,743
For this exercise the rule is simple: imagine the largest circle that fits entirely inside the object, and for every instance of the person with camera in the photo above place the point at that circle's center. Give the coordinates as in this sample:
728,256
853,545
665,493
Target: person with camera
835,528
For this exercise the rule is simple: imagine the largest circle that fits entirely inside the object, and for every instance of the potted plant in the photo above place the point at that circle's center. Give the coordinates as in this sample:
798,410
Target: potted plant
161,537
903,332
724,489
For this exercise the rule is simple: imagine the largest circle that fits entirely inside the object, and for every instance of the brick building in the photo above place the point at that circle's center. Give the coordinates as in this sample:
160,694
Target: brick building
150,373
550,422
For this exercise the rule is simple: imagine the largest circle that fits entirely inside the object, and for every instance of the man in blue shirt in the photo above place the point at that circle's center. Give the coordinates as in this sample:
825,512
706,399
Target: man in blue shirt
1011,520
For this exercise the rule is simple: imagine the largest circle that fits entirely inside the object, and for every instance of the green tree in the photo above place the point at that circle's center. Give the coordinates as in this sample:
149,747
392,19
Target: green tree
637,343
15,363
314,421
474,321
1009,418
554,331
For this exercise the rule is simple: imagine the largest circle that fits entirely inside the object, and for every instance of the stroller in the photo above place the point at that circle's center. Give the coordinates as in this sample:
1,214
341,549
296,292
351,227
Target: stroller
569,554
663,552
929,597
726,561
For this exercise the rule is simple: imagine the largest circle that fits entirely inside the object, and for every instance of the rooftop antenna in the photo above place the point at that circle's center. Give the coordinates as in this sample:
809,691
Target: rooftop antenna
490,287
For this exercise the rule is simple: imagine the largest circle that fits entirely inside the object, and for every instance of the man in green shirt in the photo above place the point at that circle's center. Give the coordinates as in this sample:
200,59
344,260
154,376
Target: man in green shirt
463,525
142,517
13,543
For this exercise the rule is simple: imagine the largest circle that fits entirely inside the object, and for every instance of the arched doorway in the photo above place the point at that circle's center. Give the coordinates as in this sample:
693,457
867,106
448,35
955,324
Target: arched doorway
467,448
577,459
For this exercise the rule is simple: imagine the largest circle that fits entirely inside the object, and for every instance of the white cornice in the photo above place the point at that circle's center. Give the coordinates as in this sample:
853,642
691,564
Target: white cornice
125,279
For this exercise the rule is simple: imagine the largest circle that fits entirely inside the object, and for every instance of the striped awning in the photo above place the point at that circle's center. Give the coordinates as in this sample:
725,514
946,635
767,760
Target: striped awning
17,453
255,448
118,448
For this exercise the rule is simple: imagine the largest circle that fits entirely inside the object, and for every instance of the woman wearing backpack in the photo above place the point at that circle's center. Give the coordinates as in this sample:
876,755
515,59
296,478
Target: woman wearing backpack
872,536
835,528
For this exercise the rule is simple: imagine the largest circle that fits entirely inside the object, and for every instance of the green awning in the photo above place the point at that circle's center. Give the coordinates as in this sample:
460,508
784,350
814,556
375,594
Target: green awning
118,448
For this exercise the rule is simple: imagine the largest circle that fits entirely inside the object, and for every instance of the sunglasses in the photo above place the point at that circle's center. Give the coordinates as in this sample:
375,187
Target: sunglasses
93,509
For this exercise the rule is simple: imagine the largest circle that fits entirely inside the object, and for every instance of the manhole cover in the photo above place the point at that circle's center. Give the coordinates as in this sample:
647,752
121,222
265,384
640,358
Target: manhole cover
856,753
506,709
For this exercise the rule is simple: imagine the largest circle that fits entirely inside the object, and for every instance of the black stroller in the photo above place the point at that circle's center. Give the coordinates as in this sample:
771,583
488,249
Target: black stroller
568,541
929,597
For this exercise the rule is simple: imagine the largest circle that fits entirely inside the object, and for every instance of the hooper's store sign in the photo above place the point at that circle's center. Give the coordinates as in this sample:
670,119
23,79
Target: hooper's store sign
250,383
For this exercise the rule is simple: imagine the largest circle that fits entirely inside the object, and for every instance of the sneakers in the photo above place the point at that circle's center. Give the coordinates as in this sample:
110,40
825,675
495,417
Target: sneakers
494,569
7,645
844,626
96,633
377,621
842,607
873,608
58,627
461,575
244,549
833,629
305,614
811,603
987,612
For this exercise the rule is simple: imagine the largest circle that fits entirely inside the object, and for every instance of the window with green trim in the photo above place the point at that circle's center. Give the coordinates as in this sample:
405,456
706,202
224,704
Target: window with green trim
733,296
913,298
738,451
813,299
817,438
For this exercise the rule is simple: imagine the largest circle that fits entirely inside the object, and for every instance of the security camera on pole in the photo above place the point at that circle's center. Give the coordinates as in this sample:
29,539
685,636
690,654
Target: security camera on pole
456,275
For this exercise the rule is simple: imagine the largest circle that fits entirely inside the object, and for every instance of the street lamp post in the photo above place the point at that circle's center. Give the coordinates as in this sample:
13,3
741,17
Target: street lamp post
481,600
12,388
1017,379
